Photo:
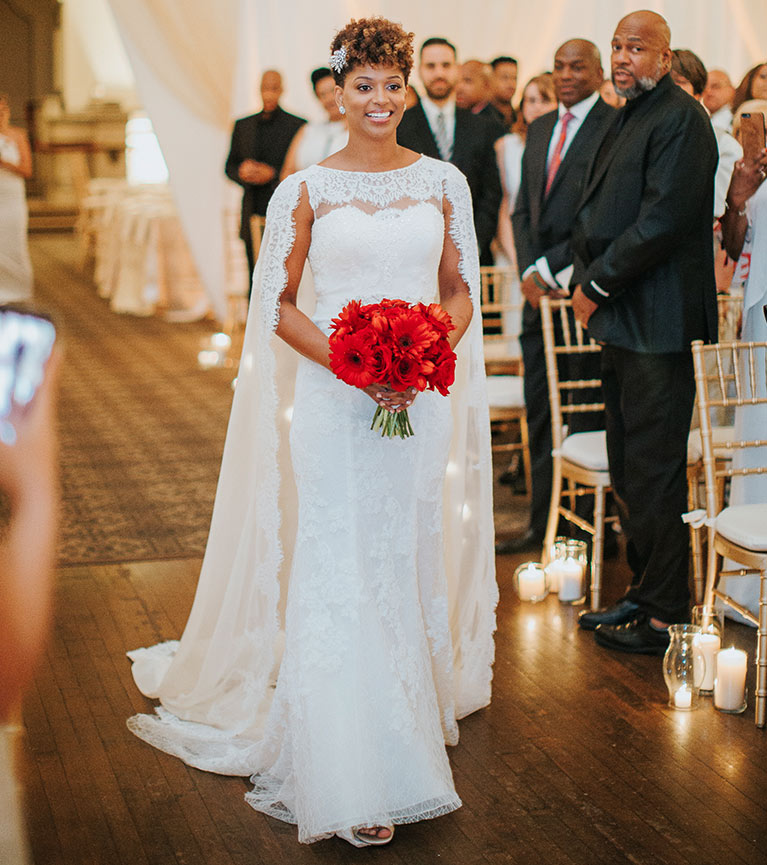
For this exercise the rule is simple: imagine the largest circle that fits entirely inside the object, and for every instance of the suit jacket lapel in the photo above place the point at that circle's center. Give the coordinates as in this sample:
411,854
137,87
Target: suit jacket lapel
459,135
424,133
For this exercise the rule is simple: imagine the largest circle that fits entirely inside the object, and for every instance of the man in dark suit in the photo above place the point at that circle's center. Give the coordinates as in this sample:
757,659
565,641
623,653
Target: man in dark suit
259,144
437,128
644,285
560,147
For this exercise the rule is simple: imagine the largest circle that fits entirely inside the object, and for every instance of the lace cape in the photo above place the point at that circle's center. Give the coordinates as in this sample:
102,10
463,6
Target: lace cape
215,685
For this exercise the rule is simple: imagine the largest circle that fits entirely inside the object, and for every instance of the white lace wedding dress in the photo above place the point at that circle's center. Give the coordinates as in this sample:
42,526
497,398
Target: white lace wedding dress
344,617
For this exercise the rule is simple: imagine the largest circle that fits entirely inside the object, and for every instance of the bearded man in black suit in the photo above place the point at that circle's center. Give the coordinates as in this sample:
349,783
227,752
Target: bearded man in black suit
560,147
259,145
644,286
437,128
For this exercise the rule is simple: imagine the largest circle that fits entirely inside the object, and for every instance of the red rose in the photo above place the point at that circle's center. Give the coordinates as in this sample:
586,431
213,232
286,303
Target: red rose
405,372
444,363
381,363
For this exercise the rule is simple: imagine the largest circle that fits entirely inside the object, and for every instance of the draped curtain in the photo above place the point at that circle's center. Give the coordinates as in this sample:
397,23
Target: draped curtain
197,65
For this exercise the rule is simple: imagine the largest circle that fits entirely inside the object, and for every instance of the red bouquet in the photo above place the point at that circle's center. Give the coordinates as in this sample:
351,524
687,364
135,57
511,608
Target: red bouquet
397,344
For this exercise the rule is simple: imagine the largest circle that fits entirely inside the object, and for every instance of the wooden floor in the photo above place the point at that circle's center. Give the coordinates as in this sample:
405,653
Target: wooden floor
578,760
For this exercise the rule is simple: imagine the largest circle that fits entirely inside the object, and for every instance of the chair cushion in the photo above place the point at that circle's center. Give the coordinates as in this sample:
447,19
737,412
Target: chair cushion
505,391
719,435
587,449
745,525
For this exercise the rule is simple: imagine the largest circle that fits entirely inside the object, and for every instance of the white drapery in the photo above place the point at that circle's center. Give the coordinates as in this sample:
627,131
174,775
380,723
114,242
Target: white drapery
197,66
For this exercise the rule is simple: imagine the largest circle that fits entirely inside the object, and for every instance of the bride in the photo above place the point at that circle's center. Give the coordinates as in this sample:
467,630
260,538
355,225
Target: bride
344,615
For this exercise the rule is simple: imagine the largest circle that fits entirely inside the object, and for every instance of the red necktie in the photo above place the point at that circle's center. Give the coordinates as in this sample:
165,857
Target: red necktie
556,159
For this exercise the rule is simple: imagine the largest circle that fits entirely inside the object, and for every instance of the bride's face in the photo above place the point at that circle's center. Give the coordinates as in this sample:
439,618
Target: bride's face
374,99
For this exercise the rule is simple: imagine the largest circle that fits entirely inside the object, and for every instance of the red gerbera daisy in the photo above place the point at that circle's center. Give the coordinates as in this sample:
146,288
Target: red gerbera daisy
352,358
411,334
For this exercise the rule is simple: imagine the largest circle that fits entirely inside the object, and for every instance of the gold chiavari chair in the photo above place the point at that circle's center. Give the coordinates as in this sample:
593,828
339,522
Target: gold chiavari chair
579,458
501,305
733,375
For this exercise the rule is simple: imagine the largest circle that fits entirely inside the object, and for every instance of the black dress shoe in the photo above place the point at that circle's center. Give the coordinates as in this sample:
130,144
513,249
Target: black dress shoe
526,543
637,636
620,613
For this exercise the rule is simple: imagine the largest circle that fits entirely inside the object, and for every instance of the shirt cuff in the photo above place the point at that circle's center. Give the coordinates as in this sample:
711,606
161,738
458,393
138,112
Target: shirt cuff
542,266
594,292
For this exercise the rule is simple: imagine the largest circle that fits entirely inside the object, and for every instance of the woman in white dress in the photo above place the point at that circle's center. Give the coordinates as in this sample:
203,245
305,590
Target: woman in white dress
316,141
744,233
344,616
15,167
537,99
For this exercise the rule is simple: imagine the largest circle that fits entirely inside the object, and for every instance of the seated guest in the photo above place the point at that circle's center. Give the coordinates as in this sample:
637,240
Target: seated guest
689,73
438,128
717,98
503,86
753,86
316,141
473,91
537,99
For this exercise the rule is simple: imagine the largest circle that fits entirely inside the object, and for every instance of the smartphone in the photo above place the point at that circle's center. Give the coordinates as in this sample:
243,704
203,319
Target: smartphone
752,134
26,342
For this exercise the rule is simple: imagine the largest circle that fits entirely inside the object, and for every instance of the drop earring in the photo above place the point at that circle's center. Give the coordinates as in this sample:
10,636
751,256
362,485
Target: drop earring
341,109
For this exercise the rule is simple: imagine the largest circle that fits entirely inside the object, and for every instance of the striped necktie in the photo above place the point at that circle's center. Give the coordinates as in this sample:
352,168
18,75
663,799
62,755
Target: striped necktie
443,145
556,159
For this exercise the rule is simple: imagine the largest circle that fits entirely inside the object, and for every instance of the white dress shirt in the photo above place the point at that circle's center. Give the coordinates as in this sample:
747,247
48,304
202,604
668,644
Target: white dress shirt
448,110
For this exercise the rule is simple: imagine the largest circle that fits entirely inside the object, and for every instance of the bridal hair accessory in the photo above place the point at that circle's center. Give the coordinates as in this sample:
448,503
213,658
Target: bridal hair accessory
395,343
338,60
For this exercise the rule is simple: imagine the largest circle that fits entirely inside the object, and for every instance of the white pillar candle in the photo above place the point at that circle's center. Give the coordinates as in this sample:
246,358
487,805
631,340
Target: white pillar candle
683,698
730,682
531,582
570,580
554,574
709,645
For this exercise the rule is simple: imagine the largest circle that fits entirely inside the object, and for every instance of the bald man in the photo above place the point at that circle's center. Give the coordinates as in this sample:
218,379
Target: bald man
259,145
644,286
717,97
473,91
560,147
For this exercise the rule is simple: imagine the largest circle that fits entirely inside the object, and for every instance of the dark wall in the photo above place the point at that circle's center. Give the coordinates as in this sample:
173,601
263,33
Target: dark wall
27,29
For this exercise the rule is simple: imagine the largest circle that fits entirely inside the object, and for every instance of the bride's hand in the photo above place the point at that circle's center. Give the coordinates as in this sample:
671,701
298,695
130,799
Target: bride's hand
389,398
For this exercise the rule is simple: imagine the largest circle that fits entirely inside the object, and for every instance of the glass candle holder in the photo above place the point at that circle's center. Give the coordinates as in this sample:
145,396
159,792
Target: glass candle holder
530,582
730,681
553,568
710,619
684,667
567,569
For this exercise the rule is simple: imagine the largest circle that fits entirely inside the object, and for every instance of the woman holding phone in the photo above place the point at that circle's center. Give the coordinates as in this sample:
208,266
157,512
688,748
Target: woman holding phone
744,233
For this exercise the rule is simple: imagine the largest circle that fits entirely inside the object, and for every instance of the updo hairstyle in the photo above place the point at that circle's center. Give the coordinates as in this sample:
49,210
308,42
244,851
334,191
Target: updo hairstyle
375,42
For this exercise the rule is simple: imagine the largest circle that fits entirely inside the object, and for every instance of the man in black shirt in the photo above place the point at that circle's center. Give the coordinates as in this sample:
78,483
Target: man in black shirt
259,144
